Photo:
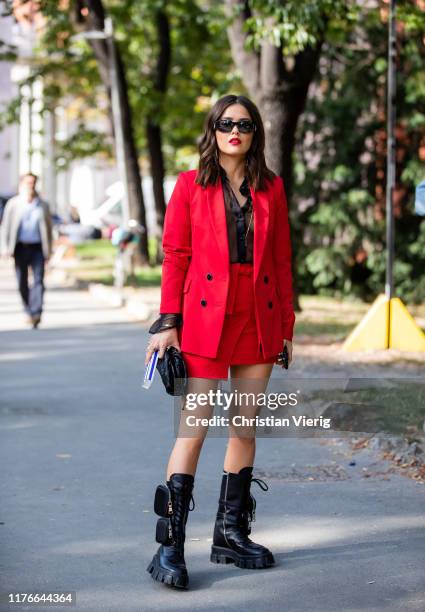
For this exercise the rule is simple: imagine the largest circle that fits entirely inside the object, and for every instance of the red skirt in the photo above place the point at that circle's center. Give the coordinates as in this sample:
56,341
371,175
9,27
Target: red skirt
239,342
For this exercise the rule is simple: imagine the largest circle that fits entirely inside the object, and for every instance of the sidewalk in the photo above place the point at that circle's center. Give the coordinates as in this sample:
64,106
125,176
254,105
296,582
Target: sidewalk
83,447
63,305
142,304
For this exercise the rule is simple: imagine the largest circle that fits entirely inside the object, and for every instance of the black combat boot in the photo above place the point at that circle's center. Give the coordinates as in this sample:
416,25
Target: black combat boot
236,510
172,504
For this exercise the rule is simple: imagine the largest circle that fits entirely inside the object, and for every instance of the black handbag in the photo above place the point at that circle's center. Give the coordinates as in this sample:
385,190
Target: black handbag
172,369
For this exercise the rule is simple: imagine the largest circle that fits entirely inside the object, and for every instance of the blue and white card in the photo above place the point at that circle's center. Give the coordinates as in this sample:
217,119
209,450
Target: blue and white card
150,370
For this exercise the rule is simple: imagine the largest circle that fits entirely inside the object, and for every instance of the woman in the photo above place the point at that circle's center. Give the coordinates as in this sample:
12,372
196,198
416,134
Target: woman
226,301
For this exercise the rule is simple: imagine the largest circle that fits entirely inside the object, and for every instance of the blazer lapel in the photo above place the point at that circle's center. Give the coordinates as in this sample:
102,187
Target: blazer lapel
260,203
217,215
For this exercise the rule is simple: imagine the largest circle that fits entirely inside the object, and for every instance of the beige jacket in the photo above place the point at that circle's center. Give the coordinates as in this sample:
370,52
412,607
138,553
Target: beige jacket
12,218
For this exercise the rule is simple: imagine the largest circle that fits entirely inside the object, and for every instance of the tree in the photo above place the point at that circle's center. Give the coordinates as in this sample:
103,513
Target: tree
90,15
341,161
153,127
276,46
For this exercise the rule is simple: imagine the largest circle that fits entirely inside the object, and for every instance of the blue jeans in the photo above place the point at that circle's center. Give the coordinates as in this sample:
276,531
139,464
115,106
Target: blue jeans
30,255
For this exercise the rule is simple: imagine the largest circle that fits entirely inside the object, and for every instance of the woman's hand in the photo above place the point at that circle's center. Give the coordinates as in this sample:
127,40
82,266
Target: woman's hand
161,341
288,344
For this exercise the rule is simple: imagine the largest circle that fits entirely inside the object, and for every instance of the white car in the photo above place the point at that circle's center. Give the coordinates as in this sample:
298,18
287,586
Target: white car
109,213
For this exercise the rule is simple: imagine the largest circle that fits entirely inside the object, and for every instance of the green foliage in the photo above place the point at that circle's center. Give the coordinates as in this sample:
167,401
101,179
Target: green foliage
201,70
10,113
293,24
70,74
83,143
341,216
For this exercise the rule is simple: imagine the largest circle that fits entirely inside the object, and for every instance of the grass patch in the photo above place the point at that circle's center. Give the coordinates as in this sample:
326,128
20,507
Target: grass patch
147,277
396,409
324,316
333,328
96,260
143,277
100,250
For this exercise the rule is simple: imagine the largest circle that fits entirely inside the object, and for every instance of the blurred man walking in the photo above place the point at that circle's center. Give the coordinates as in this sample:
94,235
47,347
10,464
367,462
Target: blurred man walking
26,235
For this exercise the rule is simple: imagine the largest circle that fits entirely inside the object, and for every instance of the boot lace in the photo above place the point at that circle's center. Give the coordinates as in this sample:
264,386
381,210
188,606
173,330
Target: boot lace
252,503
175,540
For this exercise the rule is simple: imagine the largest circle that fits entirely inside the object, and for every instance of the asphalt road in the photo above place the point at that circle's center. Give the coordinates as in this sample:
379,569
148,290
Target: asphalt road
83,447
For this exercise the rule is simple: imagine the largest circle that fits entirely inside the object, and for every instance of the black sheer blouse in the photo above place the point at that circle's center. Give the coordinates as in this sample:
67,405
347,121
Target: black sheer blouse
240,235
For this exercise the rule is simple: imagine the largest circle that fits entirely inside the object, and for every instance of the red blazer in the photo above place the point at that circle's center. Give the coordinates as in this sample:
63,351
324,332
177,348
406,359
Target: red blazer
195,270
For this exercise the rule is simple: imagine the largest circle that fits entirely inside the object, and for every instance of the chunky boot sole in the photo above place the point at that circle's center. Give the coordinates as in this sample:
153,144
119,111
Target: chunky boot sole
226,555
160,574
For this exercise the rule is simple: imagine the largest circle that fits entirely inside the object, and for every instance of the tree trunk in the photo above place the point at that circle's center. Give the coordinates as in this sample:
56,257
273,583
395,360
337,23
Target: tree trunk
136,202
95,20
153,127
154,138
280,92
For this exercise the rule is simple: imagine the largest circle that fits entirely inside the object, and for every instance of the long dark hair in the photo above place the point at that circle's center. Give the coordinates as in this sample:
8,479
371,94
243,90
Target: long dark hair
256,170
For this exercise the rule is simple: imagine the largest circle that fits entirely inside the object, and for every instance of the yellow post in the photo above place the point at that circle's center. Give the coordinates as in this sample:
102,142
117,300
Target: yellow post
405,334
387,324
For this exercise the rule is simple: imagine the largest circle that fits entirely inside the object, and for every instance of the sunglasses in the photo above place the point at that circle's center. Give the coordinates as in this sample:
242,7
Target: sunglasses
245,126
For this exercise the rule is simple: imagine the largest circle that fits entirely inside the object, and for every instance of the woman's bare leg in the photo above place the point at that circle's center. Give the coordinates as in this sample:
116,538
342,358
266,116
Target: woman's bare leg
188,445
241,445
